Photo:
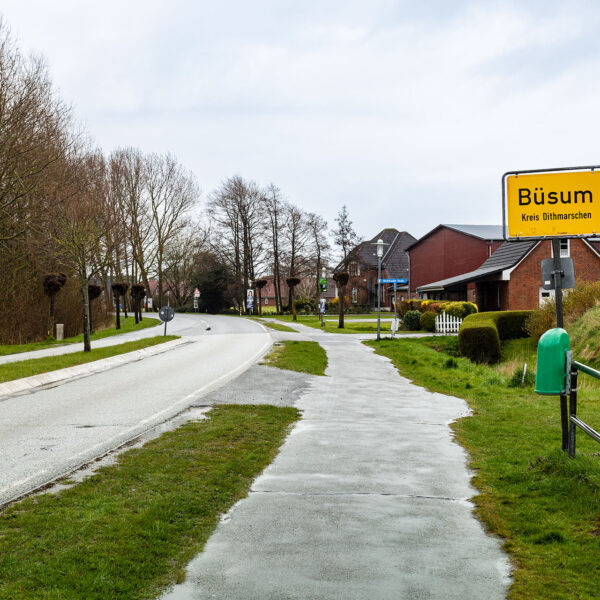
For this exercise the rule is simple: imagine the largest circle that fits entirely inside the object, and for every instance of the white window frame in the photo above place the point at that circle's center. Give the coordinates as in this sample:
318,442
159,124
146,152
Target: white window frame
354,295
565,248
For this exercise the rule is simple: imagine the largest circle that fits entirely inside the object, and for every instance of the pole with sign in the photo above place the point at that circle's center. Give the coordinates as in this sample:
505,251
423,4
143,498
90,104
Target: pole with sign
553,204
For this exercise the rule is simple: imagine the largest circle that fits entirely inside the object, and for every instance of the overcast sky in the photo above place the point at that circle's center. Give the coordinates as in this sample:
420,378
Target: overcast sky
407,112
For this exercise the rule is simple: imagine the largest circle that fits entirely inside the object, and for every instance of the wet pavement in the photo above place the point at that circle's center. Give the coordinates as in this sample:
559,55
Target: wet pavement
369,498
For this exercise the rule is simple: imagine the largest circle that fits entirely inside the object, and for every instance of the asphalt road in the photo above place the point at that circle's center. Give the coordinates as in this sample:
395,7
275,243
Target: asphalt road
50,432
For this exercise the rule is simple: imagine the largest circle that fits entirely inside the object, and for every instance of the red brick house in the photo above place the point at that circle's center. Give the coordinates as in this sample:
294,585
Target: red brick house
362,268
450,250
511,278
267,294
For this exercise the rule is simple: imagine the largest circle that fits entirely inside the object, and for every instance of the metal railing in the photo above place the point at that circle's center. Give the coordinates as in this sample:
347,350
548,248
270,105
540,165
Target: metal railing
573,368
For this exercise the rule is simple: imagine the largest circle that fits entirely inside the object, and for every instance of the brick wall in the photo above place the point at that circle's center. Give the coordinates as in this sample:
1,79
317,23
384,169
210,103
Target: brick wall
444,254
526,279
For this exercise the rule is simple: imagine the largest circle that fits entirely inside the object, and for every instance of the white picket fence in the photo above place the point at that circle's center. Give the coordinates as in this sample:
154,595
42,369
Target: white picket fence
446,323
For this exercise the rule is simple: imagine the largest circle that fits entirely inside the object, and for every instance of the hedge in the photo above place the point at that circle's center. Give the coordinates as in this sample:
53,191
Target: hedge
480,334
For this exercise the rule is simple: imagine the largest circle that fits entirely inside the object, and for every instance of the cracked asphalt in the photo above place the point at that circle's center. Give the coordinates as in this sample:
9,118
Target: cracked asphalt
369,497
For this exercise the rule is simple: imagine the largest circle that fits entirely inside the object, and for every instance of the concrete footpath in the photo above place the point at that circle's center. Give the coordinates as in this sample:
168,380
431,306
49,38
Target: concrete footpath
368,499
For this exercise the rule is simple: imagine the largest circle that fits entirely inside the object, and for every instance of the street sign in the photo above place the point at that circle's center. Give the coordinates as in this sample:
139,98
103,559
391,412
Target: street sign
322,284
196,293
552,203
401,281
166,314
568,273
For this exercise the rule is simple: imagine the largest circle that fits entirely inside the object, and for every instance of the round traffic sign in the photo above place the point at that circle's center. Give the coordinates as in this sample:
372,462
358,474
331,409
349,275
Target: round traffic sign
166,314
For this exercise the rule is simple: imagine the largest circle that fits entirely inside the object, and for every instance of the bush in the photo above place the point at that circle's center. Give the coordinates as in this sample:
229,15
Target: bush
478,342
435,307
575,304
305,305
403,308
517,379
412,320
427,321
460,310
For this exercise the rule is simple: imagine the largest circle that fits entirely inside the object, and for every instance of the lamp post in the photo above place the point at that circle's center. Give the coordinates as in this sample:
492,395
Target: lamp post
379,257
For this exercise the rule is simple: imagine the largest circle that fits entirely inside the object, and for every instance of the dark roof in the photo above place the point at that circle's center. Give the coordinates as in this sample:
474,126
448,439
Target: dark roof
395,258
507,256
483,232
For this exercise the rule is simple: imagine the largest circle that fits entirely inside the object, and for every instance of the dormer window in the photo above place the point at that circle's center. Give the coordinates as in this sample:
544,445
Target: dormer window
354,269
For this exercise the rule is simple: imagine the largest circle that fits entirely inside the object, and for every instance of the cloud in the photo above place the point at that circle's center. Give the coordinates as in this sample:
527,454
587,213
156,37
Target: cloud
407,112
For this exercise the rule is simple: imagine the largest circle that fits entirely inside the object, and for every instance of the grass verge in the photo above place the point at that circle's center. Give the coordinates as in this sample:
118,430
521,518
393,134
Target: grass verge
279,327
306,357
35,366
350,326
128,531
544,505
127,325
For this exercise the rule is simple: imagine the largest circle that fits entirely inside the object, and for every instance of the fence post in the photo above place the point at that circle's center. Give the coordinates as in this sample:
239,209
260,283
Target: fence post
572,411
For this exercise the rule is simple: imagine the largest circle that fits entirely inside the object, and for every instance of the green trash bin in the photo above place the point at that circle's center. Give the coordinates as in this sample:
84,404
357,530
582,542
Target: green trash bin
551,372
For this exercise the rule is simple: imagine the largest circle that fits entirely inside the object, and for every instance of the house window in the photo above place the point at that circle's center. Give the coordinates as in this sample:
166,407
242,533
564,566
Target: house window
354,295
354,269
565,248
546,295
266,301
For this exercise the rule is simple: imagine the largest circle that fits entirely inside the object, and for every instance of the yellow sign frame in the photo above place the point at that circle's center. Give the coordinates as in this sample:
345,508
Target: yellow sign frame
551,203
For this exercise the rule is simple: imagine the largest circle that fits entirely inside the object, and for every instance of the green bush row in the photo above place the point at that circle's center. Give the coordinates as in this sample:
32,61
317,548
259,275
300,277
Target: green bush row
456,309
480,334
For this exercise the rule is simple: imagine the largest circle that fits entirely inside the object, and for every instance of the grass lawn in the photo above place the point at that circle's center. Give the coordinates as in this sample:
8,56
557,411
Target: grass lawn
306,357
127,325
332,326
128,531
278,327
35,366
545,506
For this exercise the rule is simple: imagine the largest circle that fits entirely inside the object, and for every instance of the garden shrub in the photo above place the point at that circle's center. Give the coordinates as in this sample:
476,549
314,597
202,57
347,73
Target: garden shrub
412,320
403,308
427,321
480,333
459,310
478,339
305,305
576,303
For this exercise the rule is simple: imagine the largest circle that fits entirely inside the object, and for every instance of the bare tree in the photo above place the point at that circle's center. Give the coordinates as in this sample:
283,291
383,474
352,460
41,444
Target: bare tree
129,194
275,207
235,209
173,192
320,245
346,238
182,255
297,236
80,225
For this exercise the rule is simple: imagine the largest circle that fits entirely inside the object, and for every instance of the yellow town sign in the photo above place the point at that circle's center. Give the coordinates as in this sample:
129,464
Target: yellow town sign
561,203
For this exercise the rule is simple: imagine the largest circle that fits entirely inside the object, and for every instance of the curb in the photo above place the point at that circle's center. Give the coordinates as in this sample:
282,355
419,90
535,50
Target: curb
52,378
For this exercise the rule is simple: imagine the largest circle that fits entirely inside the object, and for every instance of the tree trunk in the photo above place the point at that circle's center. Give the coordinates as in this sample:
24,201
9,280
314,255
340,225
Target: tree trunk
51,318
259,301
293,303
87,346
91,316
117,303
342,293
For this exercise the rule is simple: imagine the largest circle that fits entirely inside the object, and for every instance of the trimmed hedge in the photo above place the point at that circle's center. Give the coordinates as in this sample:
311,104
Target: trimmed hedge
480,334
428,321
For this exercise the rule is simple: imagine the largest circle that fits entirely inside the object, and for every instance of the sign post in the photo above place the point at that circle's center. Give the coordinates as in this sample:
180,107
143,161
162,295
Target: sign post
552,204
196,299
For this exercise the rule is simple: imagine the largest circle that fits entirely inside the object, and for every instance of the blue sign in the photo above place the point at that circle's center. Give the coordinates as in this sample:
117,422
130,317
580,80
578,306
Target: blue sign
401,281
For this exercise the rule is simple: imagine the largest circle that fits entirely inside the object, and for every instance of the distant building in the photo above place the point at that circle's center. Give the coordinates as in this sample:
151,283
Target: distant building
510,279
451,250
362,268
